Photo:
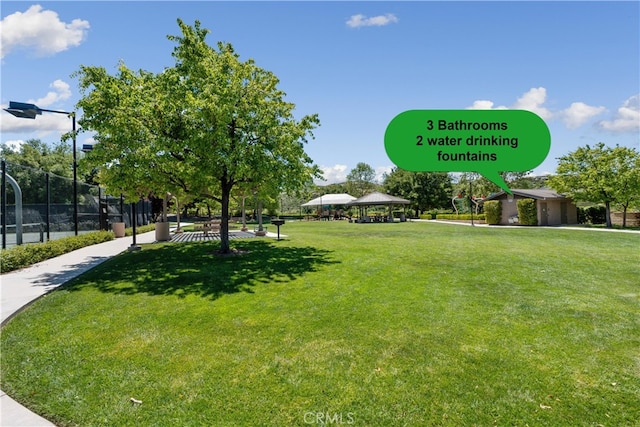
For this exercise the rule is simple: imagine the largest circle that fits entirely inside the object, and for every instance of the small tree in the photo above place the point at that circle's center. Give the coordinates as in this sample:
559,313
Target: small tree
361,180
626,162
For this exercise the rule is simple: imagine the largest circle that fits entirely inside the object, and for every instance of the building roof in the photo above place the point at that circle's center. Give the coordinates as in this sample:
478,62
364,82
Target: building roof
538,194
330,199
376,198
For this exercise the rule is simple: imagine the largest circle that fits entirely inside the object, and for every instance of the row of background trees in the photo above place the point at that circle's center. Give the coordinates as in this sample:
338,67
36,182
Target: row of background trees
604,175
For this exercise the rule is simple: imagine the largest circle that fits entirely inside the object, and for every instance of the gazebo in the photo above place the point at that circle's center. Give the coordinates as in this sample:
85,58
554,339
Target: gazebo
337,199
378,199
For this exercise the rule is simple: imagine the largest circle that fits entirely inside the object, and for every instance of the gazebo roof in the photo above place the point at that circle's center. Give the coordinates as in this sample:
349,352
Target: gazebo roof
331,199
379,199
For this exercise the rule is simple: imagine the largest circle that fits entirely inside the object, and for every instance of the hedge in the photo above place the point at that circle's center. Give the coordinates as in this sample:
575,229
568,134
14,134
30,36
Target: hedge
527,212
139,229
25,255
493,211
461,217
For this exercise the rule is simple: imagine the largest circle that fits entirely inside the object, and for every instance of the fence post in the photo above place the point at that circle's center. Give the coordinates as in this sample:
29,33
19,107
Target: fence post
4,204
122,207
48,211
134,246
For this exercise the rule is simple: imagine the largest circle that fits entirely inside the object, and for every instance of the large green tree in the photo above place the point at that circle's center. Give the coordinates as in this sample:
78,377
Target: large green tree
599,174
204,126
425,190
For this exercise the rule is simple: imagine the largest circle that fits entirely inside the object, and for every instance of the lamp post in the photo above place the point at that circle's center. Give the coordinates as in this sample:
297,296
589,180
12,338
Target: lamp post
471,201
30,111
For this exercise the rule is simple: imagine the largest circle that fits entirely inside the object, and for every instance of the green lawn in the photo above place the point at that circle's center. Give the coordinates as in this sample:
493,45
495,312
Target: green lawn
365,324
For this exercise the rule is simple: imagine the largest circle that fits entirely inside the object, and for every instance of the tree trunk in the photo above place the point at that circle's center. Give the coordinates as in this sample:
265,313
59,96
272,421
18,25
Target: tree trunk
624,215
608,213
224,224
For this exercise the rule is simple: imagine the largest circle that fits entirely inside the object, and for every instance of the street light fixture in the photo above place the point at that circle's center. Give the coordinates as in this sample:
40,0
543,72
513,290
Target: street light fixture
30,111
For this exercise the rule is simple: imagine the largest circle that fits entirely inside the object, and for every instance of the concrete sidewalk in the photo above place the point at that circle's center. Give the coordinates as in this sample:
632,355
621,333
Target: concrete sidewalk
19,288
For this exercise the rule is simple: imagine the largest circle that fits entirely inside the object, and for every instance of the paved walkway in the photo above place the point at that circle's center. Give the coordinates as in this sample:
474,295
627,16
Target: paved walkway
19,288
554,227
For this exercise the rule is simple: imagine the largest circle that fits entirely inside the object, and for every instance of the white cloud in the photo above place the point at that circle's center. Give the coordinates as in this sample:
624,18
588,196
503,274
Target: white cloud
380,171
337,174
41,31
45,123
627,118
484,104
61,92
14,145
333,174
357,21
532,101
579,113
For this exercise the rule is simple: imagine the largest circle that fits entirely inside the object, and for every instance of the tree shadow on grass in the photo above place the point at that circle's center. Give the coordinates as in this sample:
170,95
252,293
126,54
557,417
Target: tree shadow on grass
195,269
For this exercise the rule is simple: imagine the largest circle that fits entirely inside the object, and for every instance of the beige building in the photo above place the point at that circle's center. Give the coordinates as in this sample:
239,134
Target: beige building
553,208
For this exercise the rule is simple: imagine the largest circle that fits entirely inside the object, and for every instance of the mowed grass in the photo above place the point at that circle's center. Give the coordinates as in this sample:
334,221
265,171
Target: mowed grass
365,324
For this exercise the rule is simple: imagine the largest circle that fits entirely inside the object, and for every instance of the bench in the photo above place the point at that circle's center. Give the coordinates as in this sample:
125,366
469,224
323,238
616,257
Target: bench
207,227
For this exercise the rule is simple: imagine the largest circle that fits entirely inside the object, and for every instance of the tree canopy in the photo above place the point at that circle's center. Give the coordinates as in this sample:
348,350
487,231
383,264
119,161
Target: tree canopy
28,164
600,174
425,190
207,125
361,180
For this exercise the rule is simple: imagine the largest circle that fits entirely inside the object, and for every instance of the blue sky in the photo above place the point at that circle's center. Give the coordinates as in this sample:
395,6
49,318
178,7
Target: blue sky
356,64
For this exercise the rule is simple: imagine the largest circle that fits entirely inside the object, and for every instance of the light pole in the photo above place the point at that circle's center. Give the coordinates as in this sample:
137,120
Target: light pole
30,111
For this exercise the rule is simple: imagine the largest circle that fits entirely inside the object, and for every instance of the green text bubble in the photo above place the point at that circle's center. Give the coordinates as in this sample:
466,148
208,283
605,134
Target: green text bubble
484,141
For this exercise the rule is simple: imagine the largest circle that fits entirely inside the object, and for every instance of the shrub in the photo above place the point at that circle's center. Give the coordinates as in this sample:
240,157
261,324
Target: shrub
25,255
582,215
493,211
592,215
527,212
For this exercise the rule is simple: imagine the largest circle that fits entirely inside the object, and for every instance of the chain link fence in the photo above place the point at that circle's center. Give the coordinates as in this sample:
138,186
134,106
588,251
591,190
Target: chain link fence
38,206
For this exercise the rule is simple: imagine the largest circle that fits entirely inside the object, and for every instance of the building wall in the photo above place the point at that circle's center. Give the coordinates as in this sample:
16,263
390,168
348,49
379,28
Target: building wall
509,209
554,210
